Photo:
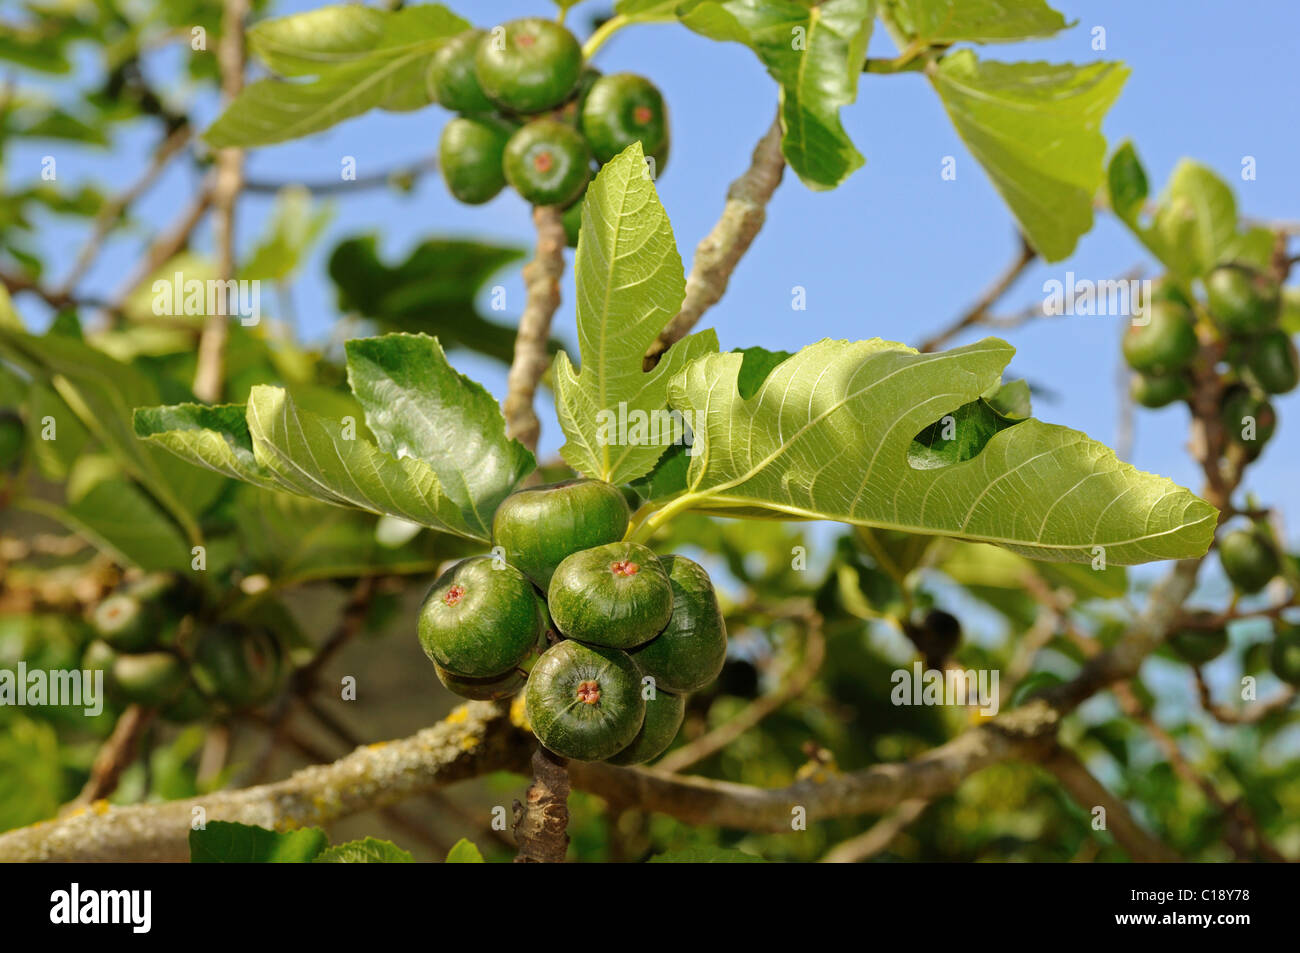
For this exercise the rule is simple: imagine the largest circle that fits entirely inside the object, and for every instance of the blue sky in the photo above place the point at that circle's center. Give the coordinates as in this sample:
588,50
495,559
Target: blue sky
895,252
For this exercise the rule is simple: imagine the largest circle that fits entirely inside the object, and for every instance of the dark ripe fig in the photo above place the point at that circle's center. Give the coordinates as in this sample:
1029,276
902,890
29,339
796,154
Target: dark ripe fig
547,162
482,689
13,438
452,75
149,678
663,716
1249,559
616,595
1159,390
1285,654
1242,301
1166,343
584,702
470,153
240,666
1273,364
125,623
937,635
1248,419
538,527
1197,645
688,653
481,618
621,109
528,65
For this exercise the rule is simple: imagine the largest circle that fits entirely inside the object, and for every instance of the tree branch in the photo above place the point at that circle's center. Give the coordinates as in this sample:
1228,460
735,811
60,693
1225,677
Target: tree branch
210,374
115,755
720,251
979,311
542,278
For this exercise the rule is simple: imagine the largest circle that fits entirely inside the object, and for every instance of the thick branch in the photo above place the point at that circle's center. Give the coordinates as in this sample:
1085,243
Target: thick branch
542,278
475,739
718,254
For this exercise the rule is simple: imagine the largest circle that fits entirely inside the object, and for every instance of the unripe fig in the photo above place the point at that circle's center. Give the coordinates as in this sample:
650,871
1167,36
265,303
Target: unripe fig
616,595
1242,301
547,162
584,702
99,657
688,653
1285,654
190,705
528,65
1198,645
1248,419
1159,390
621,109
482,689
149,678
126,624
539,526
663,717
481,619
240,666
452,75
470,153
1273,364
1166,343
1249,559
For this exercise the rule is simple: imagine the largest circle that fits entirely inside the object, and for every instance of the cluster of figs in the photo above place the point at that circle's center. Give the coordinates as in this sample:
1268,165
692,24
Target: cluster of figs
532,115
1256,358
605,638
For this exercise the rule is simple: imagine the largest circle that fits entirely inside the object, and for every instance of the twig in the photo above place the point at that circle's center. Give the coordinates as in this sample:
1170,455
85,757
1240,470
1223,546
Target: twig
351,620
878,837
345,186
724,734
542,279
1230,716
211,366
1089,792
112,211
55,298
978,312
167,244
115,755
720,251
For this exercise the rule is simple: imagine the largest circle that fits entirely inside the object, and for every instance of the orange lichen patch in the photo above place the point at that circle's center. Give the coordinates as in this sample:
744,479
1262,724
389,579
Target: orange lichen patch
376,745
100,807
519,713
458,717
470,742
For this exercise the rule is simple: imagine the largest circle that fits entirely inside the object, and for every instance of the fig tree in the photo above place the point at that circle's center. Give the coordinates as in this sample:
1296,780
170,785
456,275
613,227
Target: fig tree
547,162
538,527
1249,559
528,65
1242,301
239,665
583,701
469,157
453,78
1166,343
617,595
481,619
663,717
1285,654
621,109
1273,364
689,651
